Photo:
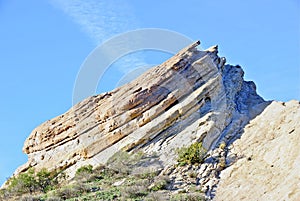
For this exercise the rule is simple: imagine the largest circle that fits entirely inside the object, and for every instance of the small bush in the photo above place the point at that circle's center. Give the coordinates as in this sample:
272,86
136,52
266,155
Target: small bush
188,197
149,175
110,194
193,154
3,193
124,162
157,196
160,183
46,180
85,169
82,187
67,192
30,181
23,183
72,191
104,176
134,191
85,174
121,162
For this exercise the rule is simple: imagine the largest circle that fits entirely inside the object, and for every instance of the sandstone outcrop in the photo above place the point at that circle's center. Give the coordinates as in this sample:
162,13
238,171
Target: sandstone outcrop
191,97
194,96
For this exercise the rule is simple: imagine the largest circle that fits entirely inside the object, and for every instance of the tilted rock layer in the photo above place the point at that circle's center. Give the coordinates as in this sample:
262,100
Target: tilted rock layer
194,96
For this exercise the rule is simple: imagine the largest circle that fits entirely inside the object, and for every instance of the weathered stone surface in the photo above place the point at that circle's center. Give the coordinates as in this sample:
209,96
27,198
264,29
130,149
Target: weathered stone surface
252,144
192,96
268,164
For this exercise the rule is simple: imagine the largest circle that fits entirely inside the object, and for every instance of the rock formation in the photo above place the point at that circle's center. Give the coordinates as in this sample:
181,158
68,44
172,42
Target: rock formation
189,97
193,96
262,165
267,157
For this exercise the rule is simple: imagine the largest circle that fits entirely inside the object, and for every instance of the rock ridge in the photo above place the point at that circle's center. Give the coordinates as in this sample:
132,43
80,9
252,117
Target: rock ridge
192,87
193,96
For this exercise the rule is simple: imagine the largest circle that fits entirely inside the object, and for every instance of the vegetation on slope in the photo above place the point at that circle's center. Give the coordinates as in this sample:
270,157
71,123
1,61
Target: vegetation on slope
124,178
191,155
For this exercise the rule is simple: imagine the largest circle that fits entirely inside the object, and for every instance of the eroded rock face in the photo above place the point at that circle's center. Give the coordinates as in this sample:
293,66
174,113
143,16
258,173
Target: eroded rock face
267,157
191,97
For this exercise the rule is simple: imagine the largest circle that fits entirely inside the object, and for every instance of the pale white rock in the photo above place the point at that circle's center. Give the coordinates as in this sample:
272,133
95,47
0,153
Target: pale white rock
120,182
269,168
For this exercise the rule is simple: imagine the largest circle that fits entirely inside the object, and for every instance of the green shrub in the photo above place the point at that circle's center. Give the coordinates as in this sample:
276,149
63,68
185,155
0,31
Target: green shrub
107,195
30,181
85,174
46,180
23,183
121,162
193,154
72,191
134,191
188,197
157,196
147,174
85,169
82,188
138,164
101,175
160,183
3,193
67,192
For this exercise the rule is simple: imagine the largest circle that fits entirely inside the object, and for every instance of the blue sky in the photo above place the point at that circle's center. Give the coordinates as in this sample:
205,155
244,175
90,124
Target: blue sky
44,42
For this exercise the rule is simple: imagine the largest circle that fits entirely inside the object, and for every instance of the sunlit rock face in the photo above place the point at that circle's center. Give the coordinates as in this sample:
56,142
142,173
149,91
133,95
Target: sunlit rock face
267,157
193,96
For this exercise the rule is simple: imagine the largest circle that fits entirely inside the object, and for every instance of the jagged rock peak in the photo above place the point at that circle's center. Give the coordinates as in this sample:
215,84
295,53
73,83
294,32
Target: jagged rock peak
191,97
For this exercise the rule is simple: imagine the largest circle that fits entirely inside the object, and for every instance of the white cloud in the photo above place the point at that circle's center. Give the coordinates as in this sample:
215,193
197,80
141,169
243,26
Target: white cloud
99,19
102,20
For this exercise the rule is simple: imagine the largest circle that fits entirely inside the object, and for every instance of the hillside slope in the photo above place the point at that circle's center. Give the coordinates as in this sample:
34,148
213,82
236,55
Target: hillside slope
268,157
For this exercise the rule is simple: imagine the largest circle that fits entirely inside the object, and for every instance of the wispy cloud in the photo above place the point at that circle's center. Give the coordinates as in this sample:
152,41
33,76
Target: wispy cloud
101,20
